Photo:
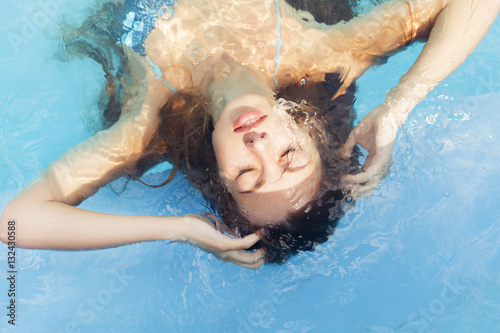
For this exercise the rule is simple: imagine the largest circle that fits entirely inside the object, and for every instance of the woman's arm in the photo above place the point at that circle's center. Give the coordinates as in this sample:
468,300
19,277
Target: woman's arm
453,29
43,211
387,28
456,27
45,215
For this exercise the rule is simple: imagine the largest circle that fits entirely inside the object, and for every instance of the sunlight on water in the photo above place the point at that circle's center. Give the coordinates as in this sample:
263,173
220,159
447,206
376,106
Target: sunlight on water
420,255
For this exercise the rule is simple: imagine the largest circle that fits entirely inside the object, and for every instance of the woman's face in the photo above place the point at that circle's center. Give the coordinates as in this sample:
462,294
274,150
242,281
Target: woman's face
271,166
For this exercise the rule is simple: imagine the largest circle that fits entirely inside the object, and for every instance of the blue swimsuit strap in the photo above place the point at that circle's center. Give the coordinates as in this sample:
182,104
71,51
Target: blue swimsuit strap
141,17
140,20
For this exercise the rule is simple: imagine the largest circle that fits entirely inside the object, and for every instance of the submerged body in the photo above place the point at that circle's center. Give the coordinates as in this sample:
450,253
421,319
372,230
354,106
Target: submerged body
262,36
239,66
273,39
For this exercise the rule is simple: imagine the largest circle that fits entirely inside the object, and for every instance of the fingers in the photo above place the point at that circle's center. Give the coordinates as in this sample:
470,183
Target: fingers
349,145
240,257
364,184
362,177
245,259
255,266
245,242
375,165
365,190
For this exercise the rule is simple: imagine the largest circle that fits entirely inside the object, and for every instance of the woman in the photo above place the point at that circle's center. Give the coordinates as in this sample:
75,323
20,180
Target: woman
268,170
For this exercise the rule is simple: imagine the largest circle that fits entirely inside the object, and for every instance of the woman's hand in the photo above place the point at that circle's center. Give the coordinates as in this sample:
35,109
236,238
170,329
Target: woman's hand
200,232
376,133
453,28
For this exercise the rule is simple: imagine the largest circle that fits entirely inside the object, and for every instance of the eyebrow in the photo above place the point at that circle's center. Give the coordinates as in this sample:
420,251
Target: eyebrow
260,183
257,185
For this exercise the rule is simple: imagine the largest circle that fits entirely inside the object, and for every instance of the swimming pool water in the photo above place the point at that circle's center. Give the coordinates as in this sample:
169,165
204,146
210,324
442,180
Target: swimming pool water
421,255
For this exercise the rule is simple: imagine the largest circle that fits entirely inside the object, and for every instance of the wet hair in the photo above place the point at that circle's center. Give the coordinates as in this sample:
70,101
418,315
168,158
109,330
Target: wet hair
329,12
96,38
333,121
184,138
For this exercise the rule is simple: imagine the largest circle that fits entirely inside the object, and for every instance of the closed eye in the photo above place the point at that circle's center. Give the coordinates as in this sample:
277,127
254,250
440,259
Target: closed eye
287,151
245,170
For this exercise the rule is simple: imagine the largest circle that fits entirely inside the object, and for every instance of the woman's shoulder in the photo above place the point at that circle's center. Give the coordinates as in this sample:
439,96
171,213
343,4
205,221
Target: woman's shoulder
200,33
265,35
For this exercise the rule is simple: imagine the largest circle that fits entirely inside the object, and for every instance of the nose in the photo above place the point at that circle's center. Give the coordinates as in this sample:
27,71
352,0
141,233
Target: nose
255,140
260,144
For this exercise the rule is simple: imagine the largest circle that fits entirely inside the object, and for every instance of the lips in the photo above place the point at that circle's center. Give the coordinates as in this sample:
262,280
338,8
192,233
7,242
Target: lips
248,120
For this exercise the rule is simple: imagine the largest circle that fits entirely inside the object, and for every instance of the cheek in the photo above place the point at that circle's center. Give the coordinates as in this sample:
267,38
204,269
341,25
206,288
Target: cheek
224,148
217,142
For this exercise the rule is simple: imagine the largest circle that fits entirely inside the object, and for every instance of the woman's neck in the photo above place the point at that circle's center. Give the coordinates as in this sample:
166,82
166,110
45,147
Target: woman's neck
230,80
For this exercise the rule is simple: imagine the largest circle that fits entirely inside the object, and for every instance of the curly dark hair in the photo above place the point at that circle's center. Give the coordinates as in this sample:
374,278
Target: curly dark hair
184,136
185,139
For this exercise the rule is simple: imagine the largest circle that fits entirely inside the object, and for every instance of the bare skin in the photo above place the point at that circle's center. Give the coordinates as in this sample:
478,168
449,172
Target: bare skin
453,28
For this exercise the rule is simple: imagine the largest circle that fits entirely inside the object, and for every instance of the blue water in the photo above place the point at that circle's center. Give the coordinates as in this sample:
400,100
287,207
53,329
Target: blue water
421,255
